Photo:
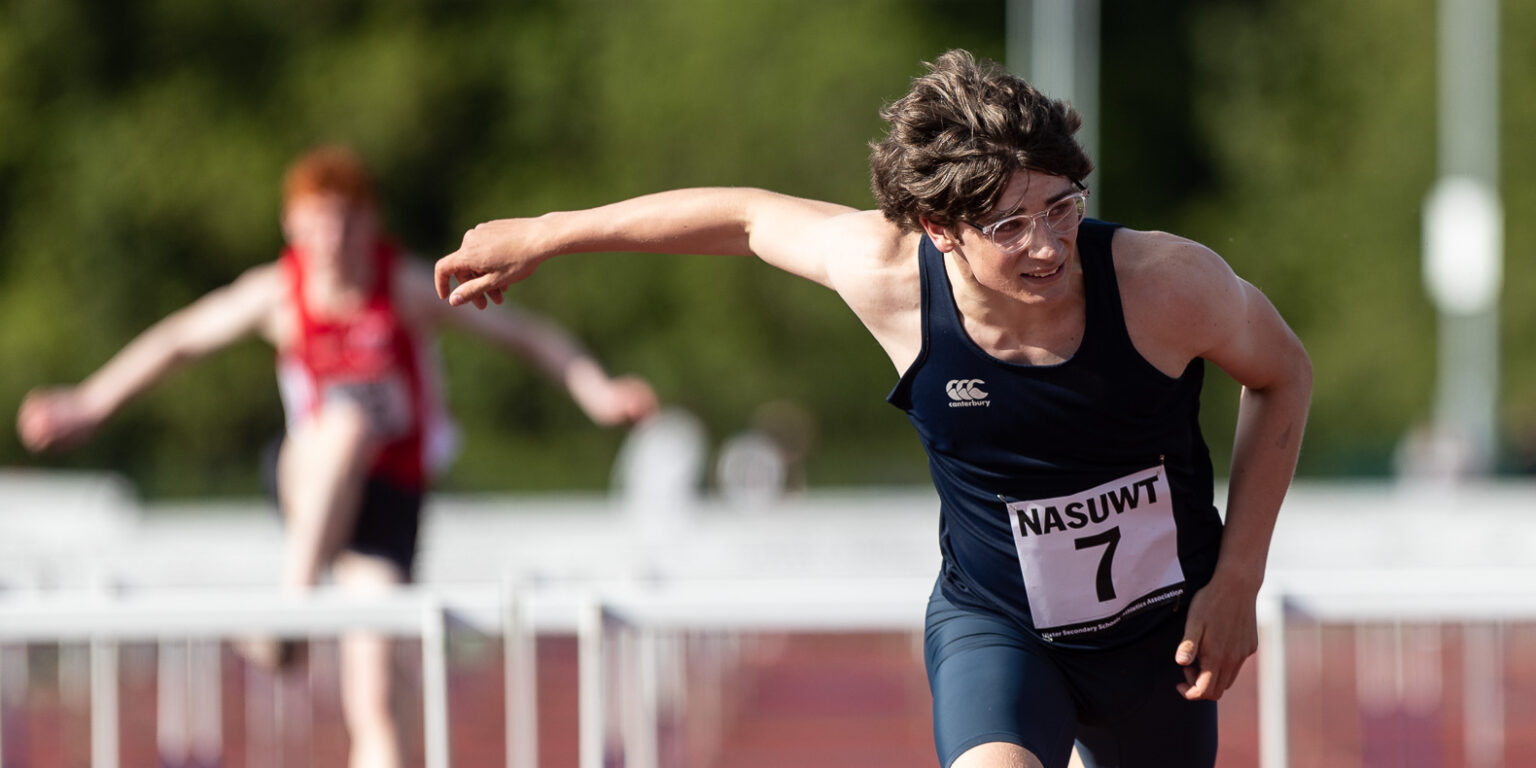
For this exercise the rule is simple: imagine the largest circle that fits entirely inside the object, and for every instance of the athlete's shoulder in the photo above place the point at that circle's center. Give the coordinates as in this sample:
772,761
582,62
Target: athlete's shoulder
1179,297
863,223
864,251
862,241
873,266
262,284
1177,269
265,271
253,300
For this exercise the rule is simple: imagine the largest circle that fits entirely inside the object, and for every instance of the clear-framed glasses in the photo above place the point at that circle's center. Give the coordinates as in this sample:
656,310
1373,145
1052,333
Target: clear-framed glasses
1015,233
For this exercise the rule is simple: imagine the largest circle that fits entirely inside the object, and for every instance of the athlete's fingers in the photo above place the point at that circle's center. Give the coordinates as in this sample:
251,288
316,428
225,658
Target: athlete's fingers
26,416
458,266
1221,680
474,290
636,397
32,433
1191,676
1187,651
35,421
52,420
1194,635
1197,679
442,275
1195,685
1226,675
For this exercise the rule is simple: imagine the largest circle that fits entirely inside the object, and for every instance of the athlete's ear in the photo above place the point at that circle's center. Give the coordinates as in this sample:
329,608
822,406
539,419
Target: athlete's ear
285,223
944,238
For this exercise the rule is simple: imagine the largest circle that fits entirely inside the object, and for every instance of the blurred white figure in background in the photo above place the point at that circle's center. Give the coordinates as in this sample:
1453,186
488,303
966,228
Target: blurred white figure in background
751,471
658,476
762,465
1438,454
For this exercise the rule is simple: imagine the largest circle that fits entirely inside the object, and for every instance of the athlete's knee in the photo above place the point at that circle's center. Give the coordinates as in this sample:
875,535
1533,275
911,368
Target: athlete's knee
376,748
368,573
997,754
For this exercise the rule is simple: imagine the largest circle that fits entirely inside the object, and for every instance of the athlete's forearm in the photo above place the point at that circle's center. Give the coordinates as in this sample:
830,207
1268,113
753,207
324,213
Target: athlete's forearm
552,349
714,221
215,321
725,221
211,323
1270,423
588,384
147,359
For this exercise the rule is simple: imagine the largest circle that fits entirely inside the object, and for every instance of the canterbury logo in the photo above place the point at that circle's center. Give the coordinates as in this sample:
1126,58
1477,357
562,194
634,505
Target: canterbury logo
964,390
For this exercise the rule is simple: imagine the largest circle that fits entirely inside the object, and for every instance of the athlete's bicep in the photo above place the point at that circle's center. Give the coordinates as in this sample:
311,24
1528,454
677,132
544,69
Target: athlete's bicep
791,233
1254,345
223,316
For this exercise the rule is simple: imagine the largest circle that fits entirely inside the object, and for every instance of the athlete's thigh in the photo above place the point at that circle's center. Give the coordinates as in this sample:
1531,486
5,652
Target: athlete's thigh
990,684
1159,737
388,524
1133,714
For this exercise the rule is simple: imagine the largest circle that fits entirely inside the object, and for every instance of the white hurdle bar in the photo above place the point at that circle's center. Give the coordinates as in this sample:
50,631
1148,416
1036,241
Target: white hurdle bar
518,613
104,619
783,605
1431,595
1363,596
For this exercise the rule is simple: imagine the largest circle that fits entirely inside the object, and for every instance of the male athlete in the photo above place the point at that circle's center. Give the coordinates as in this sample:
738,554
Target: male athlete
349,316
1052,366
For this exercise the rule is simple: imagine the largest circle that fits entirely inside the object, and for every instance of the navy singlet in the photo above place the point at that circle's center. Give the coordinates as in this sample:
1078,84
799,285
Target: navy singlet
1075,498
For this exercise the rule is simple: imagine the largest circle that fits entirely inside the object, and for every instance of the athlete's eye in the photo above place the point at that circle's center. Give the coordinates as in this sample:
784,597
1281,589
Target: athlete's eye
1010,229
1063,213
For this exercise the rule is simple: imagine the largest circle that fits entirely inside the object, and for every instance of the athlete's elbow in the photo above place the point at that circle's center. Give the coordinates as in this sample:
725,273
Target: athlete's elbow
1299,369
1290,372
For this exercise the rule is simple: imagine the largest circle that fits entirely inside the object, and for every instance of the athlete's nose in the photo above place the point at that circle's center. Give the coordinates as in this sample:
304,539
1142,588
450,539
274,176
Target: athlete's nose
1045,251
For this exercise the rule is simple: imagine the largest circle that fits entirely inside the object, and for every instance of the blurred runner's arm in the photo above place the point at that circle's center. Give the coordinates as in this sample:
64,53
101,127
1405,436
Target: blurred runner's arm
66,417
607,400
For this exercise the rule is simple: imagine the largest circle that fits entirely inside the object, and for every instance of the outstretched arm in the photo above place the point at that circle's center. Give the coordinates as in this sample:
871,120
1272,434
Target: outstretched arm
607,400
722,221
65,417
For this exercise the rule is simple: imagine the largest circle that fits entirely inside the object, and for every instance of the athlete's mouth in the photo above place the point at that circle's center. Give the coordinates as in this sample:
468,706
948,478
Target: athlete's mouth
1042,275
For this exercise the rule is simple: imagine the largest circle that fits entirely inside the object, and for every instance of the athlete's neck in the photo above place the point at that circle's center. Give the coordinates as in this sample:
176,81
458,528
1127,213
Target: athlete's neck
1038,329
341,282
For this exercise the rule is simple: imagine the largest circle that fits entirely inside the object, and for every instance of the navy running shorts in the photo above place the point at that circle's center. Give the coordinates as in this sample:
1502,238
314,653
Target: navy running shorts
388,520
991,681
387,524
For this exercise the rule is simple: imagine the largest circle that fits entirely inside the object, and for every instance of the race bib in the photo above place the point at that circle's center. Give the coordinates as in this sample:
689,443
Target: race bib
386,400
1092,558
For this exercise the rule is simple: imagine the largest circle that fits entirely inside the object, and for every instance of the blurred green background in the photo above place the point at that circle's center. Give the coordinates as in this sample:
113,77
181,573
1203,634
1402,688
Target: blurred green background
141,146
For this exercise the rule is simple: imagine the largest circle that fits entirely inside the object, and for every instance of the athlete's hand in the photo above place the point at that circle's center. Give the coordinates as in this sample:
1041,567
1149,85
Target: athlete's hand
493,256
1220,633
55,419
617,401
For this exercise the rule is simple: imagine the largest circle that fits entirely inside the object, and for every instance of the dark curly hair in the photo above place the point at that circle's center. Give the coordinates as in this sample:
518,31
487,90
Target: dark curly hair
959,135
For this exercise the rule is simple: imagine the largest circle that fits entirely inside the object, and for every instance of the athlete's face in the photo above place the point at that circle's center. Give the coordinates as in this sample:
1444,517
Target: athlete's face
1046,262
329,228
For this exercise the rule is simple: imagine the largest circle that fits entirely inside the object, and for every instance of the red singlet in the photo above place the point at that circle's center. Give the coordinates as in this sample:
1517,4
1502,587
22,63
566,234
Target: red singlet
369,357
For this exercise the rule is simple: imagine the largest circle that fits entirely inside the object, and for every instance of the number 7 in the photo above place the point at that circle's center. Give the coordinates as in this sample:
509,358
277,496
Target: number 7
1111,538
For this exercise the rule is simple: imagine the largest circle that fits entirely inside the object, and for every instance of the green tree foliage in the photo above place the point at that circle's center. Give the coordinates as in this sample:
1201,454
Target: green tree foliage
141,145
1322,128
1298,139
144,143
